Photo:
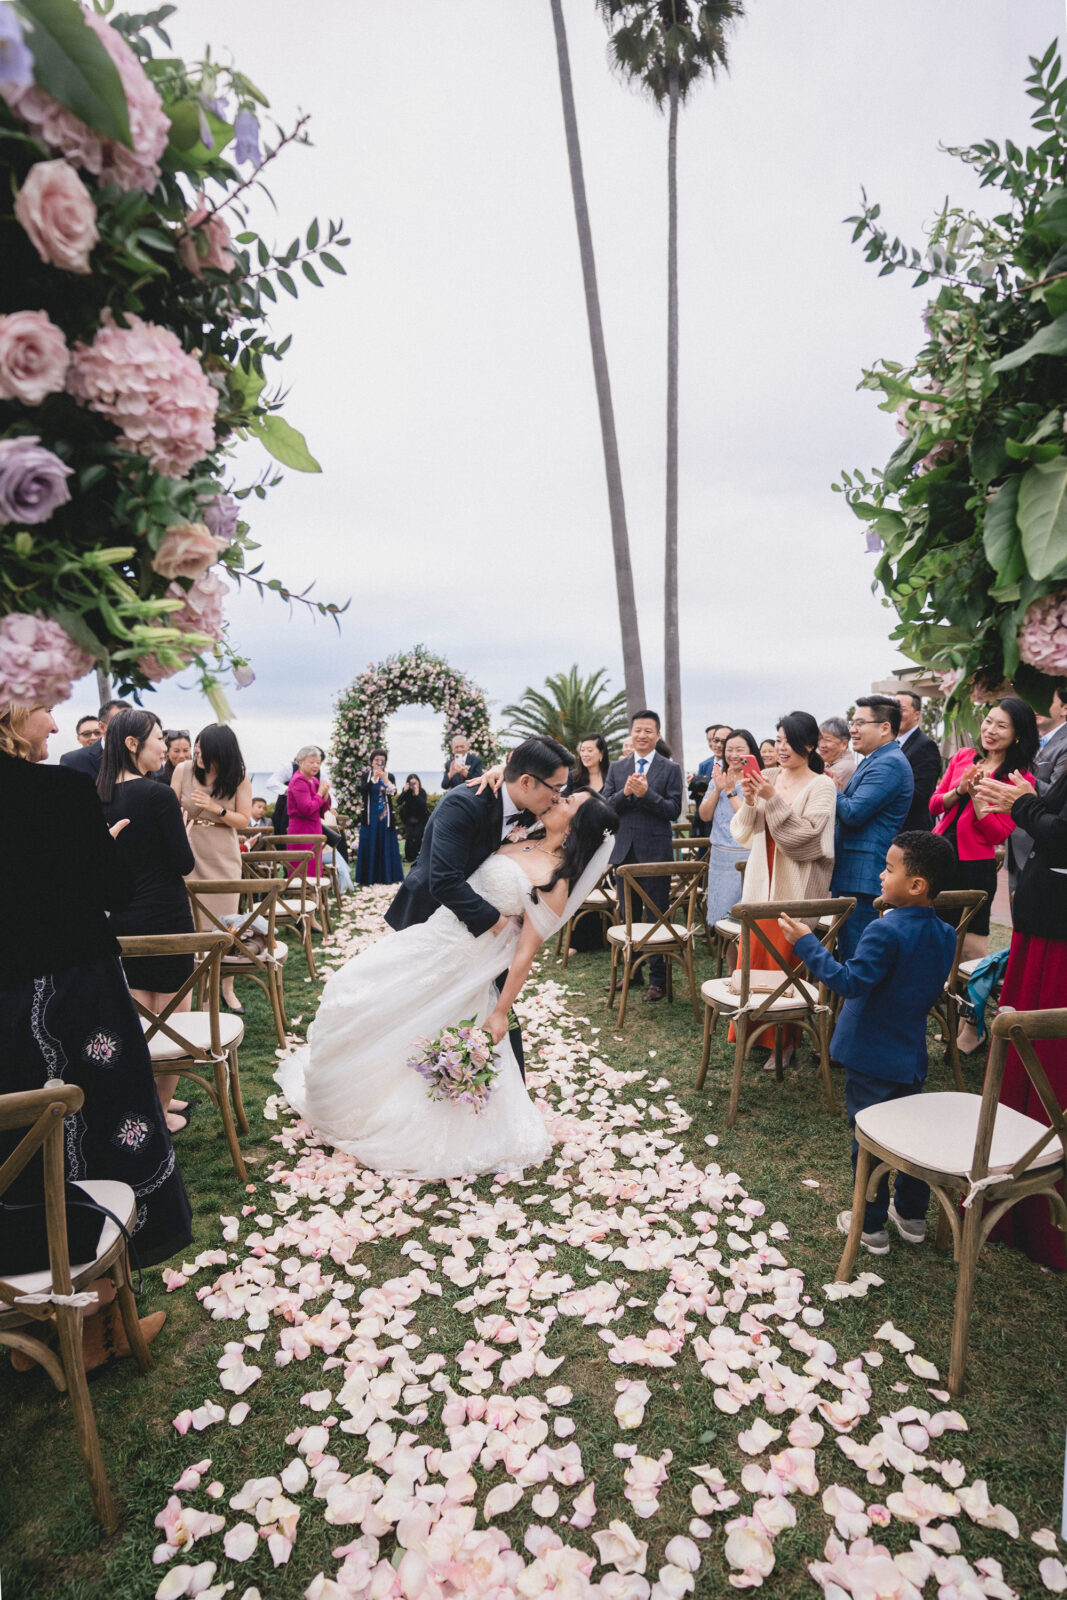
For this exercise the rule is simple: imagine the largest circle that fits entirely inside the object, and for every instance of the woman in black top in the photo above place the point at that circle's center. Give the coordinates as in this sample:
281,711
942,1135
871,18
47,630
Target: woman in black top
156,853
65,1010
414,810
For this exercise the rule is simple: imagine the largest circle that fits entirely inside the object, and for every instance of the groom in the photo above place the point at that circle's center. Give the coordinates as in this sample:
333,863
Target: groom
465,829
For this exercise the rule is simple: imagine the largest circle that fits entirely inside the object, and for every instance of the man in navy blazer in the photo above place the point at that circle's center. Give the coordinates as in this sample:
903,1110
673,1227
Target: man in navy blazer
870,811
646,790
924,759
87,758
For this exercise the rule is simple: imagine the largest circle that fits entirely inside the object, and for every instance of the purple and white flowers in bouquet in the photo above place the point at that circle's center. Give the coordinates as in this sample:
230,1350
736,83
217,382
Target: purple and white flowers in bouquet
460,1065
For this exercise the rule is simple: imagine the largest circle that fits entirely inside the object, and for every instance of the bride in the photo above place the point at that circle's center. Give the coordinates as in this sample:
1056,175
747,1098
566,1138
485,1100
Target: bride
352,1081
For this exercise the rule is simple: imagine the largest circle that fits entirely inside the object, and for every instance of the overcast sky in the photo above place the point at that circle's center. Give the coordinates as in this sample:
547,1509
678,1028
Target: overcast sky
446,385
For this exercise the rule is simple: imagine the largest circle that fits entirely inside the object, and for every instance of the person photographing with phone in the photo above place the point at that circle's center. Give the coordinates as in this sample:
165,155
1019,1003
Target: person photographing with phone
378,860
721,803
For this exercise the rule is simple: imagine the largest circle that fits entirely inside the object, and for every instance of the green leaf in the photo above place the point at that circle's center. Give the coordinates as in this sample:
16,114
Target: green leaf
285,444
1042,516
313,234
331,261
287,283
310,273
70,63
1056,297
1000,534
988,456
1051,340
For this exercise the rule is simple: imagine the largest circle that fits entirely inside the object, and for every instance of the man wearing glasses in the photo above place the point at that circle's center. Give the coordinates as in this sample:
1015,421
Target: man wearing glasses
871,809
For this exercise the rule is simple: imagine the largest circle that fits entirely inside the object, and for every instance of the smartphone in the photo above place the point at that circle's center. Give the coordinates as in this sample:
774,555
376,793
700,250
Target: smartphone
750,766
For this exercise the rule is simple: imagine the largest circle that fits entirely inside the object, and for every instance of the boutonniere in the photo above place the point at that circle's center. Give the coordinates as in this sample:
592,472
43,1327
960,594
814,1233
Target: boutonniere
516,835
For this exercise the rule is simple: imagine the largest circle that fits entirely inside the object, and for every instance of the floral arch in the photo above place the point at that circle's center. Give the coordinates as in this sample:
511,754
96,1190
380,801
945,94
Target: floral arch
414,677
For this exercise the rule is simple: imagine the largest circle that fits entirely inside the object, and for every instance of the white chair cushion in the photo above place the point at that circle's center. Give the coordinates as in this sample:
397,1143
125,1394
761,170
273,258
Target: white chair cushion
281,953
966,968
196,1027
672,933
728,927
938,1131
599,897
717,991
117,1197
293,908
825,922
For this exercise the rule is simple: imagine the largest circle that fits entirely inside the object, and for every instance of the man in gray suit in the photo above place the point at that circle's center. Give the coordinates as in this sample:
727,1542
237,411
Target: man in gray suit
88,757
646,790
1050,765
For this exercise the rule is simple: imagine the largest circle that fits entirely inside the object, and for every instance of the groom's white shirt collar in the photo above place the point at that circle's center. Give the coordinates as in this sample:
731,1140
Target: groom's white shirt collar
509,811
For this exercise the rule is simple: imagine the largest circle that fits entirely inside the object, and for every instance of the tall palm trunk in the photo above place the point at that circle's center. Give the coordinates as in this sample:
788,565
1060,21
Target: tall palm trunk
624,582
672,670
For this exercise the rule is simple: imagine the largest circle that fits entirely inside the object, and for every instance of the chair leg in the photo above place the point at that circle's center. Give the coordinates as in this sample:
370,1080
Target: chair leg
705,1049
943,1231
309,950
961,1319
824,1062
626,972
669,966
613,974
222,1089
565,937
687,957
120,1277
859,1206
235,1095
69,1323
952,1047
274,984
740,1032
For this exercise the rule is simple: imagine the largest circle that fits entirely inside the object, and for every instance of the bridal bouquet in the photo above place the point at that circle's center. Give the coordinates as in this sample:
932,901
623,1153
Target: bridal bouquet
460,1065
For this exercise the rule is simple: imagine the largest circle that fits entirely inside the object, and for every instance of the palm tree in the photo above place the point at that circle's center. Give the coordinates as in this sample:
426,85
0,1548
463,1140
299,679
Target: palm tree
633,671
666,46
572,708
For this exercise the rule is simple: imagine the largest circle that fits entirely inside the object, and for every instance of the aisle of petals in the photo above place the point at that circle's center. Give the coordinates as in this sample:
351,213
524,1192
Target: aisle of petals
414,1444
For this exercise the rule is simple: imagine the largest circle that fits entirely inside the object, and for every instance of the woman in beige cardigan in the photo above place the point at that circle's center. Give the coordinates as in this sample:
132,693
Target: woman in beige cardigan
788,827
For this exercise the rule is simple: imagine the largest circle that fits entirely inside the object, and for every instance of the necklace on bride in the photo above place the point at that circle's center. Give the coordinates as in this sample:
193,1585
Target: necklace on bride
544,852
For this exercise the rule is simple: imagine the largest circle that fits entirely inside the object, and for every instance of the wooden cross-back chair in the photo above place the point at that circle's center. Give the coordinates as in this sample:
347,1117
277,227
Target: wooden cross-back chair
243,958
201,1041
321,875
298,902
601,902
41,1112
946,1008
970,1148
727,930
670,932
697,847
792,999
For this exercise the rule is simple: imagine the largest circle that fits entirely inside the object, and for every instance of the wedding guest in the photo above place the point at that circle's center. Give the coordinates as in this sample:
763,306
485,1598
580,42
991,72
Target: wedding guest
768,754
1036,977
646,790
1049,766
378,859
216,797
87,730
63,999
837,758
871,808
307,800
258,813
1008,743
788,827
717,810
716,734
590,771
87,757
413,808
463,765
277,787
178,749
924,759
157,856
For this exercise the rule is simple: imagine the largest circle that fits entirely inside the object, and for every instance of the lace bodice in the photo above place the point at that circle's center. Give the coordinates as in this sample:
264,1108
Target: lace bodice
502,882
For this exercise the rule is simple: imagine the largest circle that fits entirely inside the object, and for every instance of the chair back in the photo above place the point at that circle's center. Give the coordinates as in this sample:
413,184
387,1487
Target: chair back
201,891
206,949
681,899
300,845
1019,1029
690,846
271,865
968,902
41,1112
750,917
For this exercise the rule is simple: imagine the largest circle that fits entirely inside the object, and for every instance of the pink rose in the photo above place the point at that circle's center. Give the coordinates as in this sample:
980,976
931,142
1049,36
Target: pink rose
58,214
187,549
205,242
33,357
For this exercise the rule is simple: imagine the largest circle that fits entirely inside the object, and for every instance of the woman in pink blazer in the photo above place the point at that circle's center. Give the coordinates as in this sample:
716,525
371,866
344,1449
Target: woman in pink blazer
1008,744
307,799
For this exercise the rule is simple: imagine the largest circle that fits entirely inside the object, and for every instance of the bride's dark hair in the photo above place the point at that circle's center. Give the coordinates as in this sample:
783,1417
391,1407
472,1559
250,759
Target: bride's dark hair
592,820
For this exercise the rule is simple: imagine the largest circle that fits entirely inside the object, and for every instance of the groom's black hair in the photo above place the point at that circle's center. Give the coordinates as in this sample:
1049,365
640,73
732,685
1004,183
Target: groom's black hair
537,758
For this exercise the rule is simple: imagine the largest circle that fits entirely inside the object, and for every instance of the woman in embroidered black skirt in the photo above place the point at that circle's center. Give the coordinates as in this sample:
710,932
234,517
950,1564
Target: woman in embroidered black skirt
65,1010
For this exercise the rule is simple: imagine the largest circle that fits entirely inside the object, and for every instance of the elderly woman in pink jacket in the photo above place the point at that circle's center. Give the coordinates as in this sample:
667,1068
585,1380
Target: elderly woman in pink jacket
307,799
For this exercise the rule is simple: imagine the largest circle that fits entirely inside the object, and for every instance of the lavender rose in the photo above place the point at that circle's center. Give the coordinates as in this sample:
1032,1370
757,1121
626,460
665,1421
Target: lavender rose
33,481
33,357
220,515
57,211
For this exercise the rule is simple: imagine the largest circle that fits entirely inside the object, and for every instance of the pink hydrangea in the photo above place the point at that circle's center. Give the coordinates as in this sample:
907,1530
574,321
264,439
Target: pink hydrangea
201,612
39,661
155,393
1043,635
33,357
60,129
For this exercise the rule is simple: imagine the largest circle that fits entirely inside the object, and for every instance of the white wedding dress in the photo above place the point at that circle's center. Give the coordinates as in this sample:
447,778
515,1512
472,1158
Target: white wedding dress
352,1082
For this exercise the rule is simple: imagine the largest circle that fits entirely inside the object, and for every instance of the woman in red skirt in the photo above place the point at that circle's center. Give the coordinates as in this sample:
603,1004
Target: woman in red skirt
1036,980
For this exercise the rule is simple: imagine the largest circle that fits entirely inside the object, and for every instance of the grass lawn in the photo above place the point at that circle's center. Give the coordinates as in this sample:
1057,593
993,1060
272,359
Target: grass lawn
50,1544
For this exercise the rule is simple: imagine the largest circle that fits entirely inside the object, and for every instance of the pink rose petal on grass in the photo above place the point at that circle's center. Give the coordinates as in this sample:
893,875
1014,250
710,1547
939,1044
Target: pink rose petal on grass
505,1497
1053,1575
241,1542
238,1413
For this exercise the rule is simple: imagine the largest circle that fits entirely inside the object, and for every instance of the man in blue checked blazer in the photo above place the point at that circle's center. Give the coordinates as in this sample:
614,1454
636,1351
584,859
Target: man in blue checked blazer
870,812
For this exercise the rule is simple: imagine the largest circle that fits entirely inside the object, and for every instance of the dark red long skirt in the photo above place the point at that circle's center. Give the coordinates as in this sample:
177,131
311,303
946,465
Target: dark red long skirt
1036,980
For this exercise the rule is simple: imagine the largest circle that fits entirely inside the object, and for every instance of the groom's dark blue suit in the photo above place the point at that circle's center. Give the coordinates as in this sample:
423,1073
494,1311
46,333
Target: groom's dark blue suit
463,831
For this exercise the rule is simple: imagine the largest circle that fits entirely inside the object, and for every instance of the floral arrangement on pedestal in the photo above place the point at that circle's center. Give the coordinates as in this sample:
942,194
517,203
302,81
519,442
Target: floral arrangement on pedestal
969,517
134,343
413,677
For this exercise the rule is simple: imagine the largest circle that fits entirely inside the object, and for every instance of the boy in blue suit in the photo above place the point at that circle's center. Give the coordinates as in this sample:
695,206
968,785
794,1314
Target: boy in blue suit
898,971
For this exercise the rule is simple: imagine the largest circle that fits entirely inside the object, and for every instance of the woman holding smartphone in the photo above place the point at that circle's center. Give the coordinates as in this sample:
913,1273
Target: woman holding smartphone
378,860
719,806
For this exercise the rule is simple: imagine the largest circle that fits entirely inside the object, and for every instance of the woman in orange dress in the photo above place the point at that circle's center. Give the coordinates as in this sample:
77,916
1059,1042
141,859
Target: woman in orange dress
787,821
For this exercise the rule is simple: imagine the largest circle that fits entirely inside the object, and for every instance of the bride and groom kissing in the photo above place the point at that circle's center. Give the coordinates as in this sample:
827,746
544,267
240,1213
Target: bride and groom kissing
469,920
